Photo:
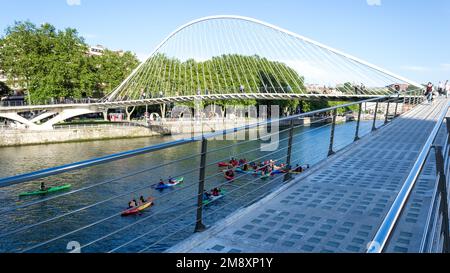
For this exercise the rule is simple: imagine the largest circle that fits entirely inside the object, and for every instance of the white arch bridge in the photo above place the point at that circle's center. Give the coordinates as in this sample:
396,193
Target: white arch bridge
229,57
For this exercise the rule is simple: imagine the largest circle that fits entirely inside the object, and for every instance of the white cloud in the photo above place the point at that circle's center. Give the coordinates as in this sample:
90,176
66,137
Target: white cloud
445,67
73,2
374,2
416,68
313,73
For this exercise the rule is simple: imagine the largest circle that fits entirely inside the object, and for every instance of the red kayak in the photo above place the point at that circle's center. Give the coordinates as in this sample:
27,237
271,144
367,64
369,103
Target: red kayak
226,164
138,209
229,178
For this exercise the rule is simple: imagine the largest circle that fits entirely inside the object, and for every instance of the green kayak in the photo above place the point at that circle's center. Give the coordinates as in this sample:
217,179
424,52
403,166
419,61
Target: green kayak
49,190
214,198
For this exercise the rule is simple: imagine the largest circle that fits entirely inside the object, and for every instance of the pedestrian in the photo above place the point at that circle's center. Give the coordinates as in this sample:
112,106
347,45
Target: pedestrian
441,88
447,88
429,92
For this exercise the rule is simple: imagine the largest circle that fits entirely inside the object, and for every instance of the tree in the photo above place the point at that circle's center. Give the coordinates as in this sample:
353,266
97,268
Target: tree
346,88
18,53
308,106
112,68
52,63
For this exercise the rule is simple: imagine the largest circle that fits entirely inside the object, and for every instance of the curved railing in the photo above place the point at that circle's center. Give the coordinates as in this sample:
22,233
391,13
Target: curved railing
386,229
324,60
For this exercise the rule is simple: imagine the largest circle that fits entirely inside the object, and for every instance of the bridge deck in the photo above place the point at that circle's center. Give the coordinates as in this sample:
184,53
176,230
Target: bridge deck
338,205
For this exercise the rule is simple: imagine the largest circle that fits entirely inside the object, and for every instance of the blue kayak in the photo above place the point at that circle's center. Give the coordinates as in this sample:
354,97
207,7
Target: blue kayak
169,185
278,172
239,170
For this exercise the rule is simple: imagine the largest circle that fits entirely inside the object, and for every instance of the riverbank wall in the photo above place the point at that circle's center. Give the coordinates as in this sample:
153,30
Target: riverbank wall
79,133
28,137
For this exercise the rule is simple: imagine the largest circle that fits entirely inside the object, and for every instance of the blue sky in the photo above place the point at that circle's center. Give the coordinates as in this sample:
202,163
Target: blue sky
408,37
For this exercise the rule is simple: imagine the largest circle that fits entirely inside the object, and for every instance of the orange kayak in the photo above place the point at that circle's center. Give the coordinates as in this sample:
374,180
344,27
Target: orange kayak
138,209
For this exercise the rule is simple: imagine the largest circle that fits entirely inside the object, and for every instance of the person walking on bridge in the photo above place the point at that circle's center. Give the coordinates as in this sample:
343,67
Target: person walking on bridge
441,87
447,88
429,92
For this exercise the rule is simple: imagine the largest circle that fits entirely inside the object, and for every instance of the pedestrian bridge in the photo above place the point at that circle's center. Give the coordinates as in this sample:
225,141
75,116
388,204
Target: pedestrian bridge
381,188
377,183
225,58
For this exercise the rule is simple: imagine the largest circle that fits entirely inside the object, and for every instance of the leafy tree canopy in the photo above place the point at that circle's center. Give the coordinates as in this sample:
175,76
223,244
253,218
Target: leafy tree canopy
53,63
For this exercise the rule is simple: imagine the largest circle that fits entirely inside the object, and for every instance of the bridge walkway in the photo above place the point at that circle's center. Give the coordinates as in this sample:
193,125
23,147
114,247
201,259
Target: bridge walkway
338,205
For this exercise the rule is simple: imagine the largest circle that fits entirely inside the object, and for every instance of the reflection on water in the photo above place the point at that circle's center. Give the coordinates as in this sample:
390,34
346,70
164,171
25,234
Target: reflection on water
111,186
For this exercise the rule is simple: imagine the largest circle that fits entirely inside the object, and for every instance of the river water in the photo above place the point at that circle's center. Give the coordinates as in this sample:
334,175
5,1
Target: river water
90,214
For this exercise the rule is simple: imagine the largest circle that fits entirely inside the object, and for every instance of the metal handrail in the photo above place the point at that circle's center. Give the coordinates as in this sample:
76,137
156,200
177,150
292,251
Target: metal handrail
385,231
8,181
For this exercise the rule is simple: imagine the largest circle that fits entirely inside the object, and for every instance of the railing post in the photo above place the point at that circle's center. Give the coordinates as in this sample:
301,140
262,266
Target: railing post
442,188
387,112
396,106
289,150
374,125
199,226
404,101
333,128
447,121
358,122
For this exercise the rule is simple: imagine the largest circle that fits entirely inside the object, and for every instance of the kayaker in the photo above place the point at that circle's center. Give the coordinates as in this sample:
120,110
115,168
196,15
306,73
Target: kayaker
132,204
43,187
171,181
234,162
229,173
161,182
215,192
206,195
142,200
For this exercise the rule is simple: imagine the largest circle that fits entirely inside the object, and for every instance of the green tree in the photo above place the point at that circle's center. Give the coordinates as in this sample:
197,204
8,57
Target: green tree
112,68
52,63
346,88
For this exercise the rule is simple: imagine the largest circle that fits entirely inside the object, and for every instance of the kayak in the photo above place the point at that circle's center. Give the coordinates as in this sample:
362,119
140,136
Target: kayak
214,198
138,209
265,176
169,185
223,164
49,190
239,170
278,172
229,178
226,164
